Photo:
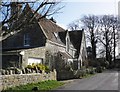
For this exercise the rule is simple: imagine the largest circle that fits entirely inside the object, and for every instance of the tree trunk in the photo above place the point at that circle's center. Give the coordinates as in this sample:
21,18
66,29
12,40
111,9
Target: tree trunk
107,44
93,43
114,44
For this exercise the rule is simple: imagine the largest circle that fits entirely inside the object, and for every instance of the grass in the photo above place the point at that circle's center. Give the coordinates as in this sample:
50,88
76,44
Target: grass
45,85
87,76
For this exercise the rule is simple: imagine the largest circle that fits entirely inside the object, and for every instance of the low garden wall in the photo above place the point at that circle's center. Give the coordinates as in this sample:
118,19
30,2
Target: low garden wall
21,79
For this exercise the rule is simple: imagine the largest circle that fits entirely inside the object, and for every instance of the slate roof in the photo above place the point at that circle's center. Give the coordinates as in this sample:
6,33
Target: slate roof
75,38
66,55
48,26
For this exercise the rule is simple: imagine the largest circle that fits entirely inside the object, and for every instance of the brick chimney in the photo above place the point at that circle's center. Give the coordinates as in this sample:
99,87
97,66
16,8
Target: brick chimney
16,9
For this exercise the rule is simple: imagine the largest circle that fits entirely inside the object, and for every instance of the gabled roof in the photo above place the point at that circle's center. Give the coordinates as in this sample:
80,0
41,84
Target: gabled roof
75,38
48,27
62,36
21,19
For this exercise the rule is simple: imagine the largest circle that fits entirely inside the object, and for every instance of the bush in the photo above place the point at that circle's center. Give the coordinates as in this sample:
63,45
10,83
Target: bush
87,70
99,69
47,69
29,66
91,70
17,71
40,67
79,73
67,67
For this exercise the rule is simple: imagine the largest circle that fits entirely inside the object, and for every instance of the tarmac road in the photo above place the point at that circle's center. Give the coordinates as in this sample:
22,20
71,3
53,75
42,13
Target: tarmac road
106,81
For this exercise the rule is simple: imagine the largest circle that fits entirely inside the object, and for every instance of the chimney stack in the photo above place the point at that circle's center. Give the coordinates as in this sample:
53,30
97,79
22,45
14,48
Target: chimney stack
53,20
16,8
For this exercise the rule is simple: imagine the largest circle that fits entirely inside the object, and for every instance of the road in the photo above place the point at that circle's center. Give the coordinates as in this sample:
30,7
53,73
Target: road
107,81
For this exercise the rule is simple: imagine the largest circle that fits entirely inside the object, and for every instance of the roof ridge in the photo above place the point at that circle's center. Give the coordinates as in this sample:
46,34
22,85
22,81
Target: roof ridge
38,14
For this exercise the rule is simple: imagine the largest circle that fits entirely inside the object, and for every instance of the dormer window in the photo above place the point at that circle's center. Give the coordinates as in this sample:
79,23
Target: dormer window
56,34
67,42
26,40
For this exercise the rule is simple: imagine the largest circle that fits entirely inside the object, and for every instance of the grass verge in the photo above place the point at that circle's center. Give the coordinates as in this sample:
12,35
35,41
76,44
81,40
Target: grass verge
87,76
45,85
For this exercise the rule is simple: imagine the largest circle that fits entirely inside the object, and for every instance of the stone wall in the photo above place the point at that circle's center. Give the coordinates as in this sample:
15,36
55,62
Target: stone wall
83,53
55,47
21,79
33,53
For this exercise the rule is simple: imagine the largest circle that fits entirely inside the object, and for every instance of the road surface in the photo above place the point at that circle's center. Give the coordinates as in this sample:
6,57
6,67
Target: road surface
106,81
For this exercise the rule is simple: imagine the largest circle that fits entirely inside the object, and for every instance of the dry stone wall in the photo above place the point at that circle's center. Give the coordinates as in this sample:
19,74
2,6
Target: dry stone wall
21,79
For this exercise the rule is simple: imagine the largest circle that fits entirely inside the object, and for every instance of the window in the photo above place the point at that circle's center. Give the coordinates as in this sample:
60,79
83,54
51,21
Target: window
26,40
67,44
34,60
56,34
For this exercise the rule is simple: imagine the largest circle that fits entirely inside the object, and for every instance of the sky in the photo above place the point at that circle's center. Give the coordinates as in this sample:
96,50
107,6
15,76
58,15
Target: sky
75,9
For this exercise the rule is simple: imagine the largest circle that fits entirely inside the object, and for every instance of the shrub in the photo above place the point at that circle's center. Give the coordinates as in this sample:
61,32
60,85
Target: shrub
29,66
83,73
40,67
79,73
92,70
47,69
67,67
99,69
17,71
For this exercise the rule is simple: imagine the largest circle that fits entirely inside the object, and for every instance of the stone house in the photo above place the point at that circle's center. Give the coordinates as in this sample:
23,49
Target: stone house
77,39
39,43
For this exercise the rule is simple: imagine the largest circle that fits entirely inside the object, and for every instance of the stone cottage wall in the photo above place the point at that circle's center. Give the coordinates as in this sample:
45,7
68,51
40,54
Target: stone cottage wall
54,47
33,53
21,79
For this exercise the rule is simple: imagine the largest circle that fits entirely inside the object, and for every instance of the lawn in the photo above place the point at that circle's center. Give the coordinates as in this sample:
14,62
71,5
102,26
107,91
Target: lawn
45,85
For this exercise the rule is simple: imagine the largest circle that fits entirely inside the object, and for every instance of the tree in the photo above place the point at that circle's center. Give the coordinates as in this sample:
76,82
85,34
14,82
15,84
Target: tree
74,25
12,13
101,31
90,23
107,35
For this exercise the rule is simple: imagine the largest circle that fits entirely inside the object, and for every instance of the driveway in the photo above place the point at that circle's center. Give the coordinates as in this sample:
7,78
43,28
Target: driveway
106,81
